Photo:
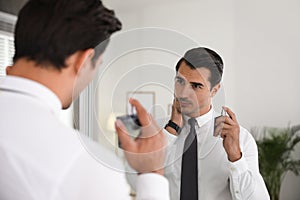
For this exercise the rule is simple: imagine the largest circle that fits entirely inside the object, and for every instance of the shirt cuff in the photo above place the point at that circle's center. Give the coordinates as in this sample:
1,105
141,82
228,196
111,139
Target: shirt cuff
238,167
152,186
170,137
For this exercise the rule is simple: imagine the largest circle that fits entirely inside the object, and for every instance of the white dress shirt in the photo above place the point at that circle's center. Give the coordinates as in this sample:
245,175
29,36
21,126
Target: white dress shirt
41,159
218,178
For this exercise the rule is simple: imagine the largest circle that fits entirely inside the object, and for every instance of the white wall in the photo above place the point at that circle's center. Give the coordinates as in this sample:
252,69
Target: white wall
266,52
259,41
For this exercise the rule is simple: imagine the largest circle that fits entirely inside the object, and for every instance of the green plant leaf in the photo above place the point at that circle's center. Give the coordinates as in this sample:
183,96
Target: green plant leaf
274,153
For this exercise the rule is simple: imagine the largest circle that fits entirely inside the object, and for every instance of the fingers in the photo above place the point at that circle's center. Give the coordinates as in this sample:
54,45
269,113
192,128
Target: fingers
230,113
222,127
176,106
226,124
224,119
141,112
223,131
145,153
149,127
127,142
176,115
151,130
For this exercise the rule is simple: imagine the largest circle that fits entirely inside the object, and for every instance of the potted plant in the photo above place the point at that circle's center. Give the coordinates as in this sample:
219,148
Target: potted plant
275,146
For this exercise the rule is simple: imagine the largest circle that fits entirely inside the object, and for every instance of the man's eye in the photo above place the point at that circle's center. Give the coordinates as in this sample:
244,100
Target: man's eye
196,86
180,81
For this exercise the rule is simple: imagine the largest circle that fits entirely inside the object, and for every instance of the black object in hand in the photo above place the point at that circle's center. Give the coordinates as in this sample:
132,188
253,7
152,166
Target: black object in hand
132,125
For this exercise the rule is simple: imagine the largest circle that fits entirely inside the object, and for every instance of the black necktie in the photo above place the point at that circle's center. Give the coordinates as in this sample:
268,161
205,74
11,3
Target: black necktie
189,167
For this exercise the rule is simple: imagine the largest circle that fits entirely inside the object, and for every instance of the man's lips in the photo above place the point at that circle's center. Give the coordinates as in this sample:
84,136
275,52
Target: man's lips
184,103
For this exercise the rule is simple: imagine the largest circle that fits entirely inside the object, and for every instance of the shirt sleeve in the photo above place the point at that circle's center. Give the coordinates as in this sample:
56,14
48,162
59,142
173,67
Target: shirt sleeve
152,186
245,180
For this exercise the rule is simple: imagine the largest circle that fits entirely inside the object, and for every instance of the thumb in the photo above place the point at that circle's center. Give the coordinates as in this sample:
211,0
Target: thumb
127,142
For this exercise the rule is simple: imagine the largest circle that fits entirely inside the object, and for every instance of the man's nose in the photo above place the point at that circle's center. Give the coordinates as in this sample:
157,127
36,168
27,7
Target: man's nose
184,91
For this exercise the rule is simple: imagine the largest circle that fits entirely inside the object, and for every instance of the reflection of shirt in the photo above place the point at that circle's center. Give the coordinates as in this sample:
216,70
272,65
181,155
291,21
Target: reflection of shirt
41,159
218,178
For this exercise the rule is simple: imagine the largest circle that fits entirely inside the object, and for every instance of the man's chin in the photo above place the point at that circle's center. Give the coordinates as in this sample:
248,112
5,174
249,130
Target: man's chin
189,113
186,112
67,104
66,107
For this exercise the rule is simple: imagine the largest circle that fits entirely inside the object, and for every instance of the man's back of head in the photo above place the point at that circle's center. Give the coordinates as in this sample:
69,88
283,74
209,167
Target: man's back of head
48,31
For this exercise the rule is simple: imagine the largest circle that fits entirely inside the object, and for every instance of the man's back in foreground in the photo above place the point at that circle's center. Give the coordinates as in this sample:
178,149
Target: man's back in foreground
59,46
41,158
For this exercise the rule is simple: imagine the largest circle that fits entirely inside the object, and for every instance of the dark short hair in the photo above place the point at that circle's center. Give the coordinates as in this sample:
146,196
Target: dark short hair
49,31
207,58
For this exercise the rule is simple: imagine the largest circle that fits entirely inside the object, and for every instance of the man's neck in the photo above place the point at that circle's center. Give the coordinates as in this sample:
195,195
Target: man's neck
200,113
48,76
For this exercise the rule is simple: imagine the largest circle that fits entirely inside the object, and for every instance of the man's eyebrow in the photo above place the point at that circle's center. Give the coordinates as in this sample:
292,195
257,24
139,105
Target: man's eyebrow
179,77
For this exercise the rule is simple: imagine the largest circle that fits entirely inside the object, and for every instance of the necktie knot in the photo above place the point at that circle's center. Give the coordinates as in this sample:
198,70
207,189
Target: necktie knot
192,122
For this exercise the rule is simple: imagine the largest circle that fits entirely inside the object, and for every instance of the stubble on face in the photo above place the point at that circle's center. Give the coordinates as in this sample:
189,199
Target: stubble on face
192,90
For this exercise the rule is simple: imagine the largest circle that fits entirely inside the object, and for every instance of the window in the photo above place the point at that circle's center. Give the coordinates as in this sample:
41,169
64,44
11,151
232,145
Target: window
7,23
6,52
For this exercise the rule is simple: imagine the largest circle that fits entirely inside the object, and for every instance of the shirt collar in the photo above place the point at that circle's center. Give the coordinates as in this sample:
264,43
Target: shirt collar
31,88
203,119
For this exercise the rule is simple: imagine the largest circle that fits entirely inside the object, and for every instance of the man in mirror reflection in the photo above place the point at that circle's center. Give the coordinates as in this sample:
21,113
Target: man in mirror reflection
59,46
212,156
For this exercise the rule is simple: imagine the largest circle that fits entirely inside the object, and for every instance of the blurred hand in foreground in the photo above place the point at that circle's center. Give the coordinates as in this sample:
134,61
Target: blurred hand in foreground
146,153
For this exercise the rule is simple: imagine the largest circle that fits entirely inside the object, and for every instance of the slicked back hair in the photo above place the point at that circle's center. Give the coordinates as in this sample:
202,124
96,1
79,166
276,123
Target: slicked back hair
206,58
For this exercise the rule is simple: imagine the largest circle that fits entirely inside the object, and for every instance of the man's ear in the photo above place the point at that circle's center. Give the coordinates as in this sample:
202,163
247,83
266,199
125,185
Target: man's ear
215,89
80,58
8,69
